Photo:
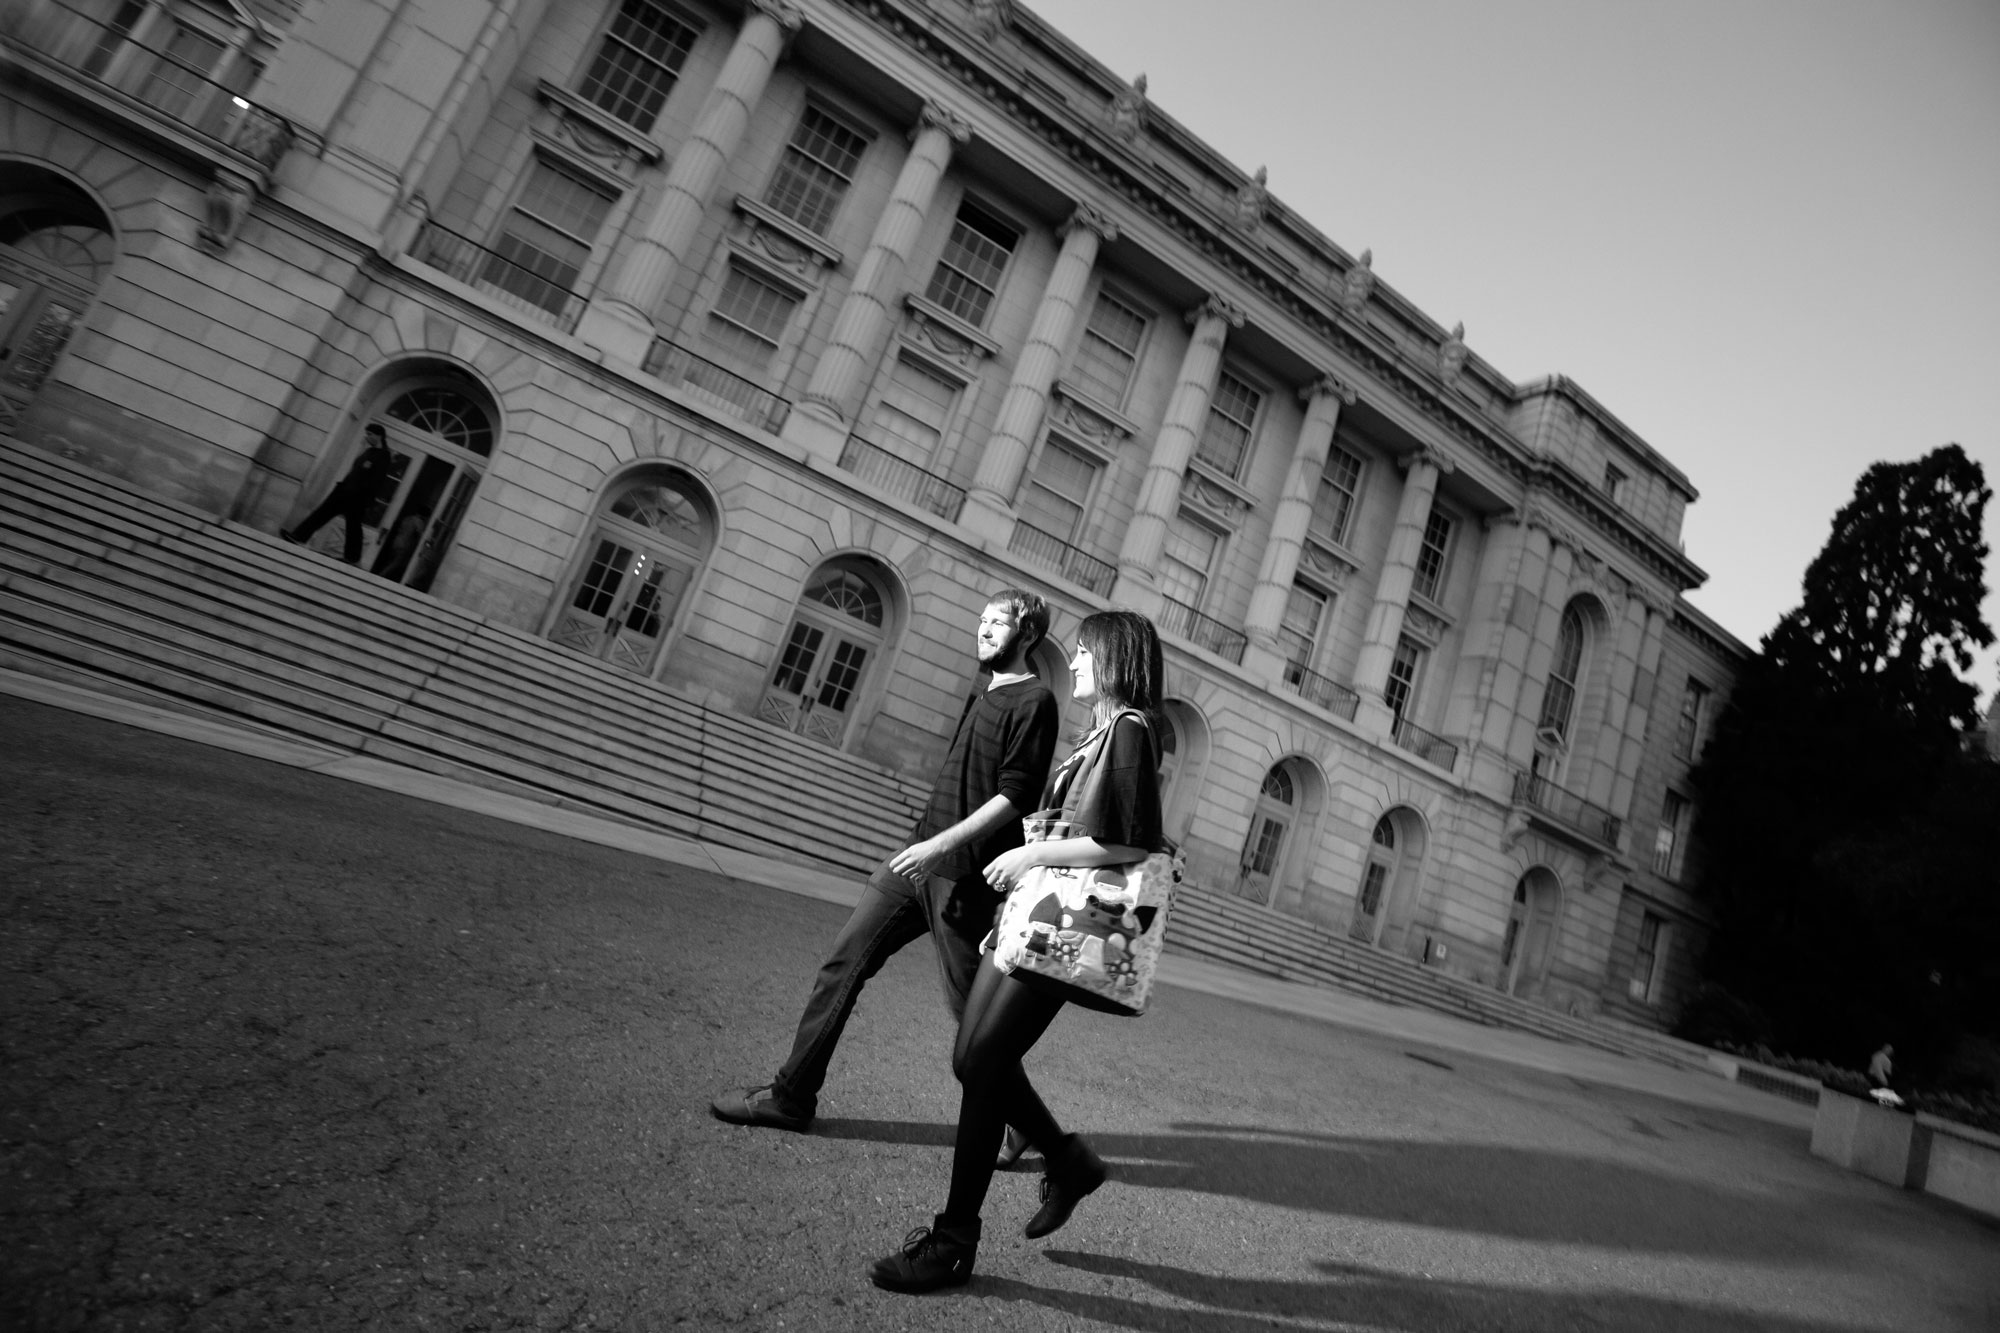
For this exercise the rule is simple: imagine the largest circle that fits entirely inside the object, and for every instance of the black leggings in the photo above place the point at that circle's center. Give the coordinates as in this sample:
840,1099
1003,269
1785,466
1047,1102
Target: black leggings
1003,1021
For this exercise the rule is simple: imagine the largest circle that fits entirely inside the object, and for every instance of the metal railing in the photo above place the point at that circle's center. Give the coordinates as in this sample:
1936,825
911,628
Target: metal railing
1426,745
717,383
527,291
902,479
1314,688
166,81
1586,817
1183,621
1052,552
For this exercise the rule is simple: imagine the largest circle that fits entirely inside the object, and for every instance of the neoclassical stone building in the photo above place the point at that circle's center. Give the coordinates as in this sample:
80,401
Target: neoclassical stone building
748,345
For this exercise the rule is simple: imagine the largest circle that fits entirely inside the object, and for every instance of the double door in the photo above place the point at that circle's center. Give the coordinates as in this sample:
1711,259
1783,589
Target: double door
410,518
624,601
37,315
816,678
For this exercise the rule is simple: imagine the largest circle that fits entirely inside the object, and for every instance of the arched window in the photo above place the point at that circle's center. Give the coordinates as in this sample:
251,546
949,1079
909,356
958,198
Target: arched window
446,414
1559,700
644,549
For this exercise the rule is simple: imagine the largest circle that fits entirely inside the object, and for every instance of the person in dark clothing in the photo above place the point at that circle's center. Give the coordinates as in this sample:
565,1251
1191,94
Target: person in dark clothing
1117,667
350,495
991,776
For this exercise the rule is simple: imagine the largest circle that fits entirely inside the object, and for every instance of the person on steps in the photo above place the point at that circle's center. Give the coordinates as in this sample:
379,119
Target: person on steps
350,495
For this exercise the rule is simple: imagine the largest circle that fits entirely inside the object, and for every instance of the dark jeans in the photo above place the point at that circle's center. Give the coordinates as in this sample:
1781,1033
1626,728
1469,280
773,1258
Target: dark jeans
957,914
350,505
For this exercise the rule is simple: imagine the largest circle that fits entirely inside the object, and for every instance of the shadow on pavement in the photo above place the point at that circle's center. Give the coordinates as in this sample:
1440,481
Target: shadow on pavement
1504,1191
1357,1297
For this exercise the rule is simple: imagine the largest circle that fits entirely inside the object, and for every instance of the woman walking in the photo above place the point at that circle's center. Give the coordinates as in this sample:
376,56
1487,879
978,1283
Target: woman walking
1117,669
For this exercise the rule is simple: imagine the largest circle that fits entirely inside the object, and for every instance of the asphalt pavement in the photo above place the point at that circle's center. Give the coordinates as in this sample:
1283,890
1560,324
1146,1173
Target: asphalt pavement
296,1039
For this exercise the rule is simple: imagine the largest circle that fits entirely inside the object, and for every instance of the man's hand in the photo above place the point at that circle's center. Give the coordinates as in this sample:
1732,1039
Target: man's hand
916,859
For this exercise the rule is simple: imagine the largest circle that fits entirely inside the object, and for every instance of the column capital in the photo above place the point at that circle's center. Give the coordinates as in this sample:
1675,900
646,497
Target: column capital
1328,386
781,12
1433,456
1221,308
937,116
1088,217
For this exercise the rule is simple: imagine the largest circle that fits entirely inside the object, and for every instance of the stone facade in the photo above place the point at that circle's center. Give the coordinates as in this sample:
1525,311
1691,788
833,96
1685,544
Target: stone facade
751,345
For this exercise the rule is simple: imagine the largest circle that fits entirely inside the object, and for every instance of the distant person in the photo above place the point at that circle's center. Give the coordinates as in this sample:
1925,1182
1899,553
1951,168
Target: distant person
393,561
1880,1066
350,495
1118,672
991,776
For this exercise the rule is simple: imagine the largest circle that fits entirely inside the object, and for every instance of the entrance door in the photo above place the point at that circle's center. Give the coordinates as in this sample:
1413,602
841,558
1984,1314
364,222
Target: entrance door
1372,902
46,278
1264,849
835,631
644,550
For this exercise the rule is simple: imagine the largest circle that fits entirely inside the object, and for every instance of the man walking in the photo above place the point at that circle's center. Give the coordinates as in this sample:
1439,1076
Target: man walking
350,495
992,777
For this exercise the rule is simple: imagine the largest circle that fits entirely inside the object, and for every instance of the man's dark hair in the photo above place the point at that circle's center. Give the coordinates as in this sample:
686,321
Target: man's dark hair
375,431
1031,613
1125,651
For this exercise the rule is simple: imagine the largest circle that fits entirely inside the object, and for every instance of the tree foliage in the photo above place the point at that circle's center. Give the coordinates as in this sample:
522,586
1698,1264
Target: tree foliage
1849,839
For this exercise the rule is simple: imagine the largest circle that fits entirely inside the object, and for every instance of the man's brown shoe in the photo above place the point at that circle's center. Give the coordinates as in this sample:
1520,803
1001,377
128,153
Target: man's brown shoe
760,1107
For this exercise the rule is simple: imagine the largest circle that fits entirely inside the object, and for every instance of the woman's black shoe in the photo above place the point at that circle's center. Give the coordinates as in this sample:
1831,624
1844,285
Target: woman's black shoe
939,1255
1072,1174
1011,1149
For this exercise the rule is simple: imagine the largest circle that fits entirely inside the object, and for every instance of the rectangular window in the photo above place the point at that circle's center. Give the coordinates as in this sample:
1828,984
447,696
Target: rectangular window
637,62
1614,482
546,237
1668,842
1339,489
180,73
1646,959
1058,491
1185,561
1687,732
1406,673
1432,555
815,170
1109,351
1305,610
748,321
975,255
915,407
1232,419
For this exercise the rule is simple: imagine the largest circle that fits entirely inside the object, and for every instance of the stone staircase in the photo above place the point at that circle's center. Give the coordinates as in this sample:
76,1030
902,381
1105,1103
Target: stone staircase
132,594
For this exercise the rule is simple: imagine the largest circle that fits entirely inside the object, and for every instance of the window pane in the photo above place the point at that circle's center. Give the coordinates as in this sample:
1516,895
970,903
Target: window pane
1559,701
1225,436
749,320
546,237
1405,669
815,169
1431,555
1109,350
636,65
1300,626
1339,485
974,258
910,419
1055,496
1185,562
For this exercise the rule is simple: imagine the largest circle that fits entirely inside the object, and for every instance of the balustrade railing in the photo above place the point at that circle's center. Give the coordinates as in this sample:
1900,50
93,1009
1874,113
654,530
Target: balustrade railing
1586,817
902,479
1052,552
1426,745
537,295
175,78
717,383
1314,688
1184,622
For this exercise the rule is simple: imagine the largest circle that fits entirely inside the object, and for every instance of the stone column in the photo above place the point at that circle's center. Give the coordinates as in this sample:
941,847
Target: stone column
1392,589
1645,687
1187,409
620,320
1493,594
987,503
1593,780
412,208
1324,399
879,276
1541,654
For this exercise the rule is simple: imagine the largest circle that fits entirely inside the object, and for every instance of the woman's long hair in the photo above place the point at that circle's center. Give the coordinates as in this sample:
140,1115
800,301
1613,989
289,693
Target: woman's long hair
1125,653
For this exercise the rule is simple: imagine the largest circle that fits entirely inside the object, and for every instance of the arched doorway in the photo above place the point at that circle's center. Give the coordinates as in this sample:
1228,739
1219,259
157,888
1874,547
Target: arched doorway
1531,924
651,536
1270,823
56,247
1384,901
836,634
1183,751
440,436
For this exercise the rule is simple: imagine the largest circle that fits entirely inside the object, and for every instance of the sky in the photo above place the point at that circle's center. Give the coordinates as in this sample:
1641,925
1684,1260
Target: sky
1764,233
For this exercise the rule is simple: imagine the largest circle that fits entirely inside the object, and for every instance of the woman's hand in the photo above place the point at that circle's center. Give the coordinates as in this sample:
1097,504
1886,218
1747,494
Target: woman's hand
1004,871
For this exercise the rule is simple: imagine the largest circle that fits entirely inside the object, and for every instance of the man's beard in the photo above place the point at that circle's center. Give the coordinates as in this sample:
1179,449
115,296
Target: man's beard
1007,659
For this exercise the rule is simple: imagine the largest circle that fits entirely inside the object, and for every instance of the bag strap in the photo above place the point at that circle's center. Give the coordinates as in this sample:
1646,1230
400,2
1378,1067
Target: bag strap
1084,786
